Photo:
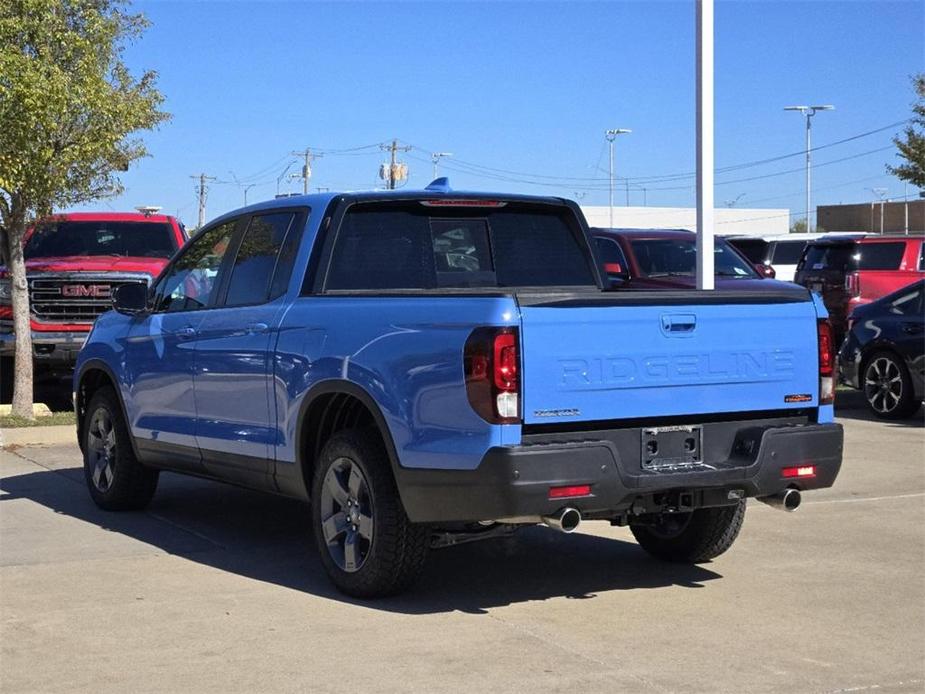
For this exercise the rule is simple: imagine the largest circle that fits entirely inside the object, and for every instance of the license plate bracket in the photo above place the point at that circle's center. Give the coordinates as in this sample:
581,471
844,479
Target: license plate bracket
671,448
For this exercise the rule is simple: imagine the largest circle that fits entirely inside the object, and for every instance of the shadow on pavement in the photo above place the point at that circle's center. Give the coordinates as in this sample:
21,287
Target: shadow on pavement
266,538
850,404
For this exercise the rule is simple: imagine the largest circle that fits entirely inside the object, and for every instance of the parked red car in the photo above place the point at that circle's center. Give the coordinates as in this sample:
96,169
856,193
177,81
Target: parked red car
73,262
667,259
852,271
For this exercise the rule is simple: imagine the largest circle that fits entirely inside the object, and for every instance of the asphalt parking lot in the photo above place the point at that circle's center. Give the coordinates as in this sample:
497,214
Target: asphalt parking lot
218,589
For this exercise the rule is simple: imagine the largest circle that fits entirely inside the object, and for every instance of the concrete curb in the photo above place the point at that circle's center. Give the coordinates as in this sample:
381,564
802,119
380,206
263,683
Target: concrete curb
38,436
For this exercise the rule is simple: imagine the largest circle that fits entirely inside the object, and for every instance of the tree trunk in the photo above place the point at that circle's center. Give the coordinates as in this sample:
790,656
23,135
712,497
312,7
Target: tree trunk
22,361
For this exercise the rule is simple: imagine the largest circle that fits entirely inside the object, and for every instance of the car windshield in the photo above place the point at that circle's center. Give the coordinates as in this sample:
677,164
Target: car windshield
678,258
102,238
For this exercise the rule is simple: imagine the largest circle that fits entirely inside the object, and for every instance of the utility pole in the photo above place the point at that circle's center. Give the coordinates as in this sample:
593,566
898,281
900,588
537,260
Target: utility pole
395,170
611,135
809,112
435,158
203,190
306,174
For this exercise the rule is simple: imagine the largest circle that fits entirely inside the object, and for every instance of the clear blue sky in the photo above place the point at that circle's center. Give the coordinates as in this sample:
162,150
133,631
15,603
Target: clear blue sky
526,88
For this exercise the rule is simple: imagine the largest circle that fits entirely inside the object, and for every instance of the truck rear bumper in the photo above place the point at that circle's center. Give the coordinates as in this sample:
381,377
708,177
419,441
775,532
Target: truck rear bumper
55,349
513,482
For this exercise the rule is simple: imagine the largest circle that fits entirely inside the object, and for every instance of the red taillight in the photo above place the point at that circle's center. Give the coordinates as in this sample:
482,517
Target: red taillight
826,349
801,471
457,202
492,366
826,363
570,492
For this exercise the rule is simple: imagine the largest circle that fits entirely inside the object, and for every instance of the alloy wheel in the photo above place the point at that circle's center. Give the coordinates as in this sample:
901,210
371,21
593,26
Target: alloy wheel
101,444
883,385
346,514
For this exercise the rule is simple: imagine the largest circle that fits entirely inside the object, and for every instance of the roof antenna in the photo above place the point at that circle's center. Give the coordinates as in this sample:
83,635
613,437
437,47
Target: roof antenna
439,185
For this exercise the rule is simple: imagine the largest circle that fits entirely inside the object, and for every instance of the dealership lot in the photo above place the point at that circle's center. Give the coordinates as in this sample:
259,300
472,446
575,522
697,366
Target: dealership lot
218,589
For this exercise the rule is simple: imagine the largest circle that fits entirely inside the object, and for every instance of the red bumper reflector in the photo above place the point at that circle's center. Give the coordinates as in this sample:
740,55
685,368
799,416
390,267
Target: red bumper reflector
802,471
570,491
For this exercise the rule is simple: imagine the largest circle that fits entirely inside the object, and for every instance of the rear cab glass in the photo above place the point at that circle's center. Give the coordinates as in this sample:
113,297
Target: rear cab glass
410,245
880,256
101,238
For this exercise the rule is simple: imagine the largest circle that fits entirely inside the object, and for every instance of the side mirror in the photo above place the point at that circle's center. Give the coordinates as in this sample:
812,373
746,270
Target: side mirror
130,298
765,270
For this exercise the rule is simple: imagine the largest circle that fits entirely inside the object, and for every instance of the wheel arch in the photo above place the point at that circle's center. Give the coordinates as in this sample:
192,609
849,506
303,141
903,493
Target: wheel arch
332,406
95,374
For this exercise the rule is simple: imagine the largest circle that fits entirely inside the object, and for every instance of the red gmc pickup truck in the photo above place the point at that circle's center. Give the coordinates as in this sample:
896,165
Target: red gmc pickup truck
73,262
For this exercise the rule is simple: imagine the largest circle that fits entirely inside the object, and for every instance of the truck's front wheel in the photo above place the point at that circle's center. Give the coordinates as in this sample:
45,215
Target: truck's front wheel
692,537
368,546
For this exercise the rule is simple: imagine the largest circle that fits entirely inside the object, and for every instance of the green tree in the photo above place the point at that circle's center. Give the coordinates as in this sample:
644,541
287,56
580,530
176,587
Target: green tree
69,108
912,144
798,227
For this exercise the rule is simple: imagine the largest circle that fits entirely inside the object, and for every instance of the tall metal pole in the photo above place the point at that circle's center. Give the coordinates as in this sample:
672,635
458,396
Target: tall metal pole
610,138
809,181
201,192
704,144
611,135
808,112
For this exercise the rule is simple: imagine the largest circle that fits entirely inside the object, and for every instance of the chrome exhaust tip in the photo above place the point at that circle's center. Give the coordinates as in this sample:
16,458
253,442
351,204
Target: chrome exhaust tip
564,520
788,500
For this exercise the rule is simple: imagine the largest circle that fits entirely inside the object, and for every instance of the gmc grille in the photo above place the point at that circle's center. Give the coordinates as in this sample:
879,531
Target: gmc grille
75,298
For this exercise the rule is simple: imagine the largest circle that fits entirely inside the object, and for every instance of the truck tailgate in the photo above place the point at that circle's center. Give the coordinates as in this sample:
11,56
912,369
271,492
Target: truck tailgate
600,360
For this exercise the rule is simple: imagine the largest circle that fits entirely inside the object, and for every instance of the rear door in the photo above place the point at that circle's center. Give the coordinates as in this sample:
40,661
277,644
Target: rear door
655,354
235,419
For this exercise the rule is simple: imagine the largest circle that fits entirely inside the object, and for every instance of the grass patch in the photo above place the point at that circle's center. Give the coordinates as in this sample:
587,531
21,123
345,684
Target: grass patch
54,419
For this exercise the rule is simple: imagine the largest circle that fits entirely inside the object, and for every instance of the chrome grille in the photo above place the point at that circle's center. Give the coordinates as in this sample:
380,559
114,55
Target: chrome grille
75,298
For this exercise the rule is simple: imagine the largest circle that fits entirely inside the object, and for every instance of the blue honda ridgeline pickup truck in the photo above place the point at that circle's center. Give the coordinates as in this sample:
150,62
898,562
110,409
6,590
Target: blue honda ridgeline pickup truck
429,368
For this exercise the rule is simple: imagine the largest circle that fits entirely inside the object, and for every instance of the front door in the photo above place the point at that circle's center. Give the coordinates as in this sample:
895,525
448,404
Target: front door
160,352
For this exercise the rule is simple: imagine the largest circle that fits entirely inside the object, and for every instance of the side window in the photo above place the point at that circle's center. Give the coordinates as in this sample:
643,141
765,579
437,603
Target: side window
787,252
192,279
908,304
880,256
256,260
611,256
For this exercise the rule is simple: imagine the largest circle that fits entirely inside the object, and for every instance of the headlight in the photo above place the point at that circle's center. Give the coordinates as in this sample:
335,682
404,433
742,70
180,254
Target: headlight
6,291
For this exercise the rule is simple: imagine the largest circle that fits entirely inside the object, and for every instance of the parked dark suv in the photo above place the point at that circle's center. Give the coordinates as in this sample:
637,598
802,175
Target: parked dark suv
884,352
850,271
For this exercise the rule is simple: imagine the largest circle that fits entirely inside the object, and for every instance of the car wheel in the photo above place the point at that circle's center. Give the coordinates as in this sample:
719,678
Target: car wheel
888,388
368,546
692,537
116,479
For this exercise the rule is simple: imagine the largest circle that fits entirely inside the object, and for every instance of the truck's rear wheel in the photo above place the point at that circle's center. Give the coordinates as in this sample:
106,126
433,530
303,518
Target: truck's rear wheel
368,546
692,537
115,478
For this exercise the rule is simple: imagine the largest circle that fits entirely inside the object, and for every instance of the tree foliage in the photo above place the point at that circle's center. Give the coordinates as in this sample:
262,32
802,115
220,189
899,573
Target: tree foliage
69,113
911,145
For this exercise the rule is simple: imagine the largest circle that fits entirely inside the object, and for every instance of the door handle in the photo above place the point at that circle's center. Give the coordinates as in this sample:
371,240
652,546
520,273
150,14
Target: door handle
256,328
184,333
912,328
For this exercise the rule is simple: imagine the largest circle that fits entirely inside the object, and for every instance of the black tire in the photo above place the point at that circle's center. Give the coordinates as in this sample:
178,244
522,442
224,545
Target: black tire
390,555
115,478
692,537
887,387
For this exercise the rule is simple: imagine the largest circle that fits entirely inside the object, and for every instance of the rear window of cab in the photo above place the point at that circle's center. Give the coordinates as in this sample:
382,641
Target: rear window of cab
410,245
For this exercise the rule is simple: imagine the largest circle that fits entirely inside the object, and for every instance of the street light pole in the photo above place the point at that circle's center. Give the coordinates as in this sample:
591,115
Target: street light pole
809,112
435,158
611,135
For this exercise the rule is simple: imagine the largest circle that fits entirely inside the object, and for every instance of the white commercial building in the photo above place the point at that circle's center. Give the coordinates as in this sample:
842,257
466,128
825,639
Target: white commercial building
728,220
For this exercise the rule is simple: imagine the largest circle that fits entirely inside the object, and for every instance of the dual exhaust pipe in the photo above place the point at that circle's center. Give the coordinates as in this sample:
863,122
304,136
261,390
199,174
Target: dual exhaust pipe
567,519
